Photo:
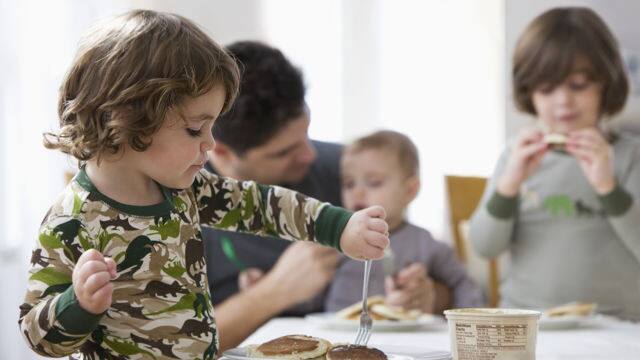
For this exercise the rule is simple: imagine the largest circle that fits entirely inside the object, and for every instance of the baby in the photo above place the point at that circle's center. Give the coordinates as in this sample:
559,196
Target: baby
383,169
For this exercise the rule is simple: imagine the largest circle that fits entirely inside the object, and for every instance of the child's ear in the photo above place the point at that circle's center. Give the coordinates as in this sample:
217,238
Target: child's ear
412,186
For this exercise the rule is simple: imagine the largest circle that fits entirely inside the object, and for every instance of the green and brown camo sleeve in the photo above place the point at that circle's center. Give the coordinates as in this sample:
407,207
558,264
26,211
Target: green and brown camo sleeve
246,206
51,319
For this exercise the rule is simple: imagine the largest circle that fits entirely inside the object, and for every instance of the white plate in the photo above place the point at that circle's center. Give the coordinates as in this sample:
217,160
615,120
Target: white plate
330,321
393,353
562,322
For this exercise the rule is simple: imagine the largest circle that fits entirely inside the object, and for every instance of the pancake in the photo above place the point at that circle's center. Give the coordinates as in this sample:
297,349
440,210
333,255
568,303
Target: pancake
573,308
355,352
295,347
378,310
395,313
352,312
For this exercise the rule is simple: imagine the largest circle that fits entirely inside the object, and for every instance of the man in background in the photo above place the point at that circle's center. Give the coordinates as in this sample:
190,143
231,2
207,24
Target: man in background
264,138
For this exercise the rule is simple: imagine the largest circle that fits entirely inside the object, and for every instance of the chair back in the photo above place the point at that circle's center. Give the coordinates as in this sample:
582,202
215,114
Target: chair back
464,195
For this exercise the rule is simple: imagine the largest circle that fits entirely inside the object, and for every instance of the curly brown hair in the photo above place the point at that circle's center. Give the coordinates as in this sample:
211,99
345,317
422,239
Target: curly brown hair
128,73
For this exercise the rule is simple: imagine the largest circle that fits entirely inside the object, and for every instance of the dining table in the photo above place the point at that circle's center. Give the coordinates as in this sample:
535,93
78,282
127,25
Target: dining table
598,337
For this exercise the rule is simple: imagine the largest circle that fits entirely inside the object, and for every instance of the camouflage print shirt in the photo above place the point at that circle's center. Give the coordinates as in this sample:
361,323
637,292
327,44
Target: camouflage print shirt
161,307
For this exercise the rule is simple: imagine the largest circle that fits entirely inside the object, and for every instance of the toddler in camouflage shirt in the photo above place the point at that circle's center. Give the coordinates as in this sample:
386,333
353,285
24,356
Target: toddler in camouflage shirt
118,271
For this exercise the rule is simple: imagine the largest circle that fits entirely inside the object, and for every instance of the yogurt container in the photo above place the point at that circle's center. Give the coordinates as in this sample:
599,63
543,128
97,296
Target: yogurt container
493,334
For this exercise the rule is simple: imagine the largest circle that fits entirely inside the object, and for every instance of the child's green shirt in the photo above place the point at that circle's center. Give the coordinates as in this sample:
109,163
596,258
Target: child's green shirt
161,307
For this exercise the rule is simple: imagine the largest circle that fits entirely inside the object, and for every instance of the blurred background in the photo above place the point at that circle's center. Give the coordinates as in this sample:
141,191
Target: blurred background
437,70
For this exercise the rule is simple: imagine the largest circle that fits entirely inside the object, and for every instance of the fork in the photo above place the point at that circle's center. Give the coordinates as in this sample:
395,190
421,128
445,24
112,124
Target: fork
364,330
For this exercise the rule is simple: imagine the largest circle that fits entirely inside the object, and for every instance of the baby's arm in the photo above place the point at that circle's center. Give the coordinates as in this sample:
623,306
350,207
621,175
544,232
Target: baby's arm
54,321
445,268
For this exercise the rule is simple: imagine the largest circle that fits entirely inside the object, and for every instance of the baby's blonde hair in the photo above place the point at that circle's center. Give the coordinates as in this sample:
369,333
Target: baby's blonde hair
128,73
395,143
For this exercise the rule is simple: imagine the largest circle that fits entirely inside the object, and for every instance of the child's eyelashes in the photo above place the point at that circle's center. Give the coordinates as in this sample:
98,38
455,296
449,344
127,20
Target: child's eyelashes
545,88
578,85
371,184
576,82
347,184
194,132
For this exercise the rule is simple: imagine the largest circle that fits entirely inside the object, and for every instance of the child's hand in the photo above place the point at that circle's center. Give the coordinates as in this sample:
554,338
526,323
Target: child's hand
411,288
525,158
595,157
366,234
92,281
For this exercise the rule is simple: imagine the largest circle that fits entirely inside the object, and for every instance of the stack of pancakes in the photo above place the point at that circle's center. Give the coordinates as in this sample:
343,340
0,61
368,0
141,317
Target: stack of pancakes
378,310
302,347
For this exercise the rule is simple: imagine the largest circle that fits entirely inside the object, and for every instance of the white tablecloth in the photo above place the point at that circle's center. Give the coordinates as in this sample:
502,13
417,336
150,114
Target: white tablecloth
600,338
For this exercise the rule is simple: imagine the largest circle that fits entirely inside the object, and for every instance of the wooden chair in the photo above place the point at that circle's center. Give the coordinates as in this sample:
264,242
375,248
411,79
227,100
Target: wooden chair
464,195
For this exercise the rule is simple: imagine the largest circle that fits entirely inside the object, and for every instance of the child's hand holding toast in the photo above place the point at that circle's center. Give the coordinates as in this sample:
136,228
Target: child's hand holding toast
366,234
92,277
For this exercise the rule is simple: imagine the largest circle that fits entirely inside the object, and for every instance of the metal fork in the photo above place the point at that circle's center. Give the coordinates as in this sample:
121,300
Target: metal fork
364,330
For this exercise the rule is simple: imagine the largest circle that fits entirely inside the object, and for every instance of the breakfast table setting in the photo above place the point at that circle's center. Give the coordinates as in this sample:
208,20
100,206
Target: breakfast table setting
594,337
372,330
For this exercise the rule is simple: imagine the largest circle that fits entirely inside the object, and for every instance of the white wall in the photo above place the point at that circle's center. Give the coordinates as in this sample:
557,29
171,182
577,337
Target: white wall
433,70
620,15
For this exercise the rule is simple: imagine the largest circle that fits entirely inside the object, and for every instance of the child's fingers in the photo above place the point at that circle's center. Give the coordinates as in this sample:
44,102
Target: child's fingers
584,142
111,266
377,240
397,298
89,268
372,253
529,135
89,255
411,273
389,284
582,153
591,134
376,211
95,282
103,295
529,150
378,225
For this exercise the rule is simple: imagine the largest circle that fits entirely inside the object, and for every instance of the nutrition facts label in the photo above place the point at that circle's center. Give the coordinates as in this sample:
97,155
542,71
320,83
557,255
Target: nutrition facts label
483,342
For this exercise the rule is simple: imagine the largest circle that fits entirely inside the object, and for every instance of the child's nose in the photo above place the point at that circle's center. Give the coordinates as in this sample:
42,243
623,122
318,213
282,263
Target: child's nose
563,95
359,193
208,143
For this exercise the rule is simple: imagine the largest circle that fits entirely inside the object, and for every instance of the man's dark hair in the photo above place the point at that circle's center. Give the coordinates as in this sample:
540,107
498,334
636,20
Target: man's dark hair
271,95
